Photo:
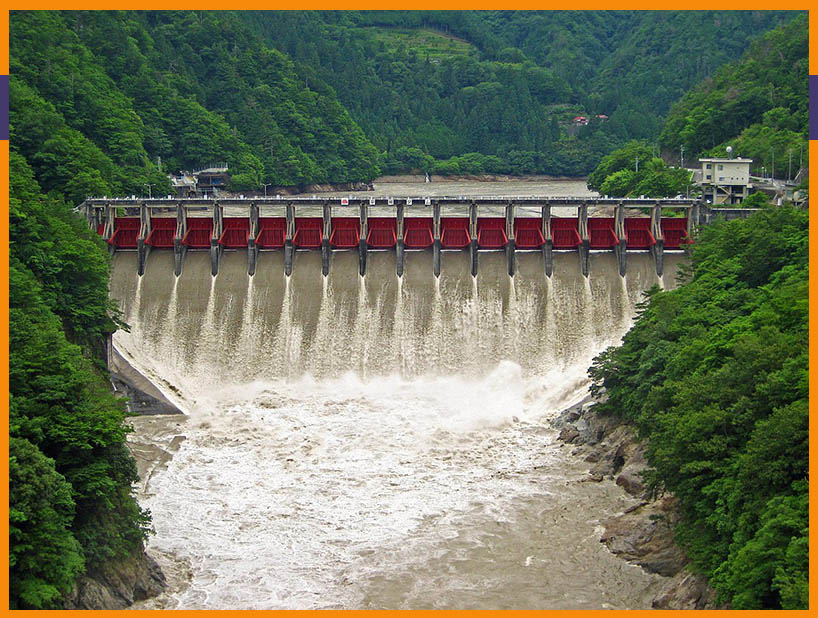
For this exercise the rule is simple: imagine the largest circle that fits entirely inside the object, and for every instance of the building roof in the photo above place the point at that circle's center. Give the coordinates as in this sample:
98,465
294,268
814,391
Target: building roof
736,160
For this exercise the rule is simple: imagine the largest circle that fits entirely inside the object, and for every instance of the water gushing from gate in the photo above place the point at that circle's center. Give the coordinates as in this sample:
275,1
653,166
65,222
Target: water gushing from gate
375,442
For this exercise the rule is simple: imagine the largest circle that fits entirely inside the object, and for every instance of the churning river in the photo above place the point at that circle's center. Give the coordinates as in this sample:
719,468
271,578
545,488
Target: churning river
377,442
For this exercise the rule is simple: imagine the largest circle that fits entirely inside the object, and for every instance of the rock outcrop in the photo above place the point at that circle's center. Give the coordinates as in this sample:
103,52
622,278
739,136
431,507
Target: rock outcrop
118,585
642,534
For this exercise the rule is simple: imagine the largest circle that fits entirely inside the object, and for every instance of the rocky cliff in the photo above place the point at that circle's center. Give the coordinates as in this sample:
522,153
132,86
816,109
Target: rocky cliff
118,585
644,533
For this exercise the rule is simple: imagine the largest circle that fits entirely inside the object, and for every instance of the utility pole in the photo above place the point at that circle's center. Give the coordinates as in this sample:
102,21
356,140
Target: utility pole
637,164
149,189
683,156
772,167
789,166
269,184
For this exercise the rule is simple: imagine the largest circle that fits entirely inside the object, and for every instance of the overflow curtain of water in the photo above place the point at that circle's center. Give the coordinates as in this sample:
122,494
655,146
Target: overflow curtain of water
376,442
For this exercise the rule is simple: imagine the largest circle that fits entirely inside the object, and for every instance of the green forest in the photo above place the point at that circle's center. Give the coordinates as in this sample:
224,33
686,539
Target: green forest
70,506
109,103
758,105
713,374
496,91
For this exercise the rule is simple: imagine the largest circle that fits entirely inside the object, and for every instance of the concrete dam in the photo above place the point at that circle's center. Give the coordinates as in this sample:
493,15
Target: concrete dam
473,224
376,441
367,427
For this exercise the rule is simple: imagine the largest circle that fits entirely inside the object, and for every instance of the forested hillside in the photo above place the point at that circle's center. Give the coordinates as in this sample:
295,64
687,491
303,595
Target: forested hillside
759,105
96,97
296,97
70,504
496,91
715,376
755,104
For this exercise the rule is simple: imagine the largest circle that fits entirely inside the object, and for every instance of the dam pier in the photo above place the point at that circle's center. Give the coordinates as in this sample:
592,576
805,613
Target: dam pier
400,224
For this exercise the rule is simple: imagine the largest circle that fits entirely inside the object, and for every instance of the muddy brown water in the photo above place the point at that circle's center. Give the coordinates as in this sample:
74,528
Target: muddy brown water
376,443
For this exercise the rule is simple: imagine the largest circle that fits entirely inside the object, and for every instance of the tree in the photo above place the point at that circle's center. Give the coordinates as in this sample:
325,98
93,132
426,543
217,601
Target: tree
44,557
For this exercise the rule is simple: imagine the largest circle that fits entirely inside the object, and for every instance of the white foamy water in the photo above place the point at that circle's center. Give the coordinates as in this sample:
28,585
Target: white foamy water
376,443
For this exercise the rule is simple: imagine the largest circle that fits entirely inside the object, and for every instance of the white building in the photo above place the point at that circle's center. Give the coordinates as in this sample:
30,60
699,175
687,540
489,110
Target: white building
725,181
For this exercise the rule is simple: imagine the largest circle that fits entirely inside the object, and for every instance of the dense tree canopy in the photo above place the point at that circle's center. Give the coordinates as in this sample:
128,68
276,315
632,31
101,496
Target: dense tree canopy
98,98
715,376
758,106
507,84
70,506
767,87
295,97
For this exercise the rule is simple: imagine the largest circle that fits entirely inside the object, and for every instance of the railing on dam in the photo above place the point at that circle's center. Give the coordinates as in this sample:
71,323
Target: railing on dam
473,224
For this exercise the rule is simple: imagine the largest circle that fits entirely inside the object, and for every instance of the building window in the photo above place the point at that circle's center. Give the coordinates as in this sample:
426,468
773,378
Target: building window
708,177
721,178
721,167
709,166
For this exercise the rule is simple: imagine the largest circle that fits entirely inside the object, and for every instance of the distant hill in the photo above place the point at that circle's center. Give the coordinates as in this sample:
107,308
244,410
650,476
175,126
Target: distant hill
97,97
514,81
756,104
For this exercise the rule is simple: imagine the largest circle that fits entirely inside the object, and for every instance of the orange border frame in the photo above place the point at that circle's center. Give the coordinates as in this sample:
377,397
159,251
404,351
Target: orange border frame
420,5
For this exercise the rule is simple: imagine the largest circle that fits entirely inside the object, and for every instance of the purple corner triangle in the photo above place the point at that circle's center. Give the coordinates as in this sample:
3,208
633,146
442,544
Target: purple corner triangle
4,107
813,106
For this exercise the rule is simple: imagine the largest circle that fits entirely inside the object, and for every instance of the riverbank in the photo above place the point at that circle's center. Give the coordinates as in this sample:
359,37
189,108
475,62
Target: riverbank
122,582
118,584
643,533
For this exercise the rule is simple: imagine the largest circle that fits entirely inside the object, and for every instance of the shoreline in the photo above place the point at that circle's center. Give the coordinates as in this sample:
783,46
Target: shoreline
643,534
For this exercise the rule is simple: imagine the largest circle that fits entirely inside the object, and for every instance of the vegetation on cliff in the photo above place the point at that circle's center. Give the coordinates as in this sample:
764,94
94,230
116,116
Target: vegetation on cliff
297,97
70,504
759,105
715,376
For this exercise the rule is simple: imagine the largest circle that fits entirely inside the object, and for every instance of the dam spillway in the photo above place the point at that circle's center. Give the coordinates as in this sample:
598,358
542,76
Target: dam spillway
377,441
331,224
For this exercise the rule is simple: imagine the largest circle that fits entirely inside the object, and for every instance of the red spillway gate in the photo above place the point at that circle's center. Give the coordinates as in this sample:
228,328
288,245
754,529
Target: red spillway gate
637,233
528,233
163,231
454,232
235,232
674,231
418,232
199,231
381,232
601,233
308,232
346,232
272,232
565,232
491,233
126,231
